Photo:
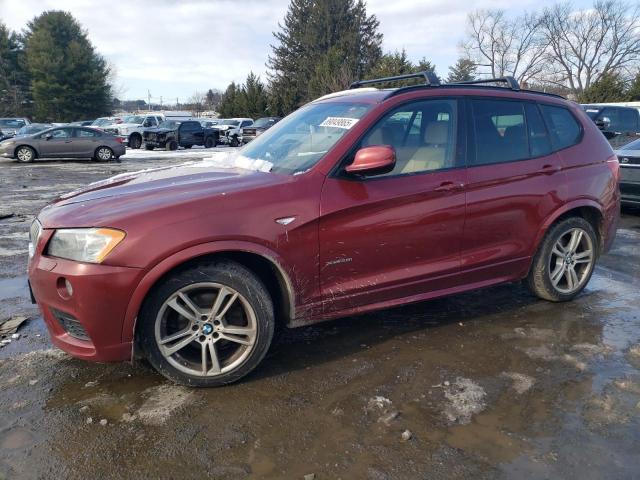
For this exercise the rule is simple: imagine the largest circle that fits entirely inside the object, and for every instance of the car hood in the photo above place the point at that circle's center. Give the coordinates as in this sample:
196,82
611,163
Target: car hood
125,125
140,193
160,130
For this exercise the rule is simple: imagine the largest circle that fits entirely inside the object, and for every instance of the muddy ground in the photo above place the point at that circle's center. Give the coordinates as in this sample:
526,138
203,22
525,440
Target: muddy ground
488,384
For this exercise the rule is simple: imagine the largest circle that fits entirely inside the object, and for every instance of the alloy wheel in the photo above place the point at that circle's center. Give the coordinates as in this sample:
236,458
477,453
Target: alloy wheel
104,153
25,154
571,260
206,329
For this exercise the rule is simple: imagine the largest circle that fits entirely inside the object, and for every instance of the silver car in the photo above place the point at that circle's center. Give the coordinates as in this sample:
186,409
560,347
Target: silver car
64,142
629,156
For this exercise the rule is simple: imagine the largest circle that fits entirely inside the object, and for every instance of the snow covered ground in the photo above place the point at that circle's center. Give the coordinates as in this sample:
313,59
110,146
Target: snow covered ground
193,153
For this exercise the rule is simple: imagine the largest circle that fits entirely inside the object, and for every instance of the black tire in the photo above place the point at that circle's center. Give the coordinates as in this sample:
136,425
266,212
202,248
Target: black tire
188,146
101,154
228,274
209,142
234,141
25,154
148,147
539,278
135,141
171,145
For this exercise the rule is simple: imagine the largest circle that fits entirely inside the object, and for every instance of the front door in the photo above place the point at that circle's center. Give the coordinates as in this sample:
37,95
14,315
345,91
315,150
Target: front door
397,235
60,144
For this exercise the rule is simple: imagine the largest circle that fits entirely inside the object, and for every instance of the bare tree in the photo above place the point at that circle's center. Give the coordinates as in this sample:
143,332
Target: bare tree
585,45
197,101
501,46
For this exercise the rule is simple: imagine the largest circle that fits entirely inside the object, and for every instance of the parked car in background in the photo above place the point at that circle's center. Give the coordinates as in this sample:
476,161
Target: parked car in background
620,125
64,142
358,201
33,128
629,157
82,123
104,121
209,122
260,126
229,129
172,134
9,126
131,128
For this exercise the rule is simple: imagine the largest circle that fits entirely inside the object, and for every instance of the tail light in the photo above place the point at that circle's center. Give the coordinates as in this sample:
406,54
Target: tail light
119,140
614,166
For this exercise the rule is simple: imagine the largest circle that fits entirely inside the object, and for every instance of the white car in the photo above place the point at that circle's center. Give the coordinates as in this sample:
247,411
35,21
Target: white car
230,128
132,126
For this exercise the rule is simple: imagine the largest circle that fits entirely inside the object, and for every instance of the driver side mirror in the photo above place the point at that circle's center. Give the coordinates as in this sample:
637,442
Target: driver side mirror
603,123
374,160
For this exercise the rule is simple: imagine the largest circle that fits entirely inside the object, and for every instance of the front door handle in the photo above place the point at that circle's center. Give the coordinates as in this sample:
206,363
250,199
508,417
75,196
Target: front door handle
449,187
68,141
550,169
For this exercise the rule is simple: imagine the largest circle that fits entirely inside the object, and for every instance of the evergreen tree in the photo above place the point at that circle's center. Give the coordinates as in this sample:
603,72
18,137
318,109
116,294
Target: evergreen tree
229,102
14,80
253,99
319,45
609,88
464,70
633,94
69,79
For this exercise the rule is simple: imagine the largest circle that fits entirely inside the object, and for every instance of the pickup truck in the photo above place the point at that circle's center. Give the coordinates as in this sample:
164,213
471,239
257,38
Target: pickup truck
230,129
131,128
172,134
618,124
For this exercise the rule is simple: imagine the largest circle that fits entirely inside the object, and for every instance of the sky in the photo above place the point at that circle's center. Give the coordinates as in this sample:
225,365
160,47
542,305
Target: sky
173,48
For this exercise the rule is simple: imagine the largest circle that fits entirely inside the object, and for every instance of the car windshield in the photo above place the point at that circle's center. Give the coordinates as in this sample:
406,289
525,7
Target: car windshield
137,119
12,123
298,142
635,145
169,124
101,122
263,122
234,123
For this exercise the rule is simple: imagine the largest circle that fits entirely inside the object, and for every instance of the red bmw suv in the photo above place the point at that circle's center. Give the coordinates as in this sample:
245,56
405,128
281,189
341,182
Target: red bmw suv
360,200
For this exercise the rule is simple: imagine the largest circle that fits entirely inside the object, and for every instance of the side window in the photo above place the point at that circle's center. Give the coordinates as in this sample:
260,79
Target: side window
151,121
628,120
246,123
61,133
82,133
500,132
539,142
564,128
423,135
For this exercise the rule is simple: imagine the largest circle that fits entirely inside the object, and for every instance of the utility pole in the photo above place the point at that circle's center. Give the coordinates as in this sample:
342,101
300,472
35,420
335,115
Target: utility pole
149,100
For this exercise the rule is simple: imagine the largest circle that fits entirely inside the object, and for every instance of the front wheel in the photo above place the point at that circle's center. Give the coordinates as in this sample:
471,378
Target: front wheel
209,142
171,145
25,154
234,141
208,325
565,260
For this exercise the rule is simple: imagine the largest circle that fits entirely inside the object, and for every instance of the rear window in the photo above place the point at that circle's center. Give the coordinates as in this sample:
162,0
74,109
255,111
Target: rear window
564,128
501,135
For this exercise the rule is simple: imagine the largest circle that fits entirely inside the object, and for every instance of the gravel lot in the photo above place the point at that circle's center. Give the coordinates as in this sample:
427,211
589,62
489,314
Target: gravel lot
487,384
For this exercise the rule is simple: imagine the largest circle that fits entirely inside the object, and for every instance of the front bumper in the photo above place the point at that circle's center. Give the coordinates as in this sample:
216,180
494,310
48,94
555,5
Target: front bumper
97,305
630,184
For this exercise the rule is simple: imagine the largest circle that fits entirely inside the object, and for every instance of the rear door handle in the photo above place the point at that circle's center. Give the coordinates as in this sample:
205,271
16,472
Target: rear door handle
550,169
68,141
449,187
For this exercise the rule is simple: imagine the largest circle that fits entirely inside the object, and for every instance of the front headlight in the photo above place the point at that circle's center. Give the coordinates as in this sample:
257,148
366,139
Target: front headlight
84,244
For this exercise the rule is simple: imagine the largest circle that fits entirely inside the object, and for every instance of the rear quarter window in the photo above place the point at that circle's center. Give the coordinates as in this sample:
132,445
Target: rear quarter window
565,130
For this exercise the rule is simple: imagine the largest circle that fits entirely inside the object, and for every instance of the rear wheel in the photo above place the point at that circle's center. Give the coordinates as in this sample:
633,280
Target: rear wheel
208,325
135,141
103,154
565,260
25,154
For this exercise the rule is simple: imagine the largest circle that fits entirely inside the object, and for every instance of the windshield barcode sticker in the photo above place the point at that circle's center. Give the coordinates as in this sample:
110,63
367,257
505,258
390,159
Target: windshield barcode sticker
339,122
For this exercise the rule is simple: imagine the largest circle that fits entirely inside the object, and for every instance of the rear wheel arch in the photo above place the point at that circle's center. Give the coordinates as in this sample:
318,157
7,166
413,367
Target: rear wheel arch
587,209
265,267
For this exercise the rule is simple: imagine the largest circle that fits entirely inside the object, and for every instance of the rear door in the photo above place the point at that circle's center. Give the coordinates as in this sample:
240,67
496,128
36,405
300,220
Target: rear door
397,235
85,142
514,182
